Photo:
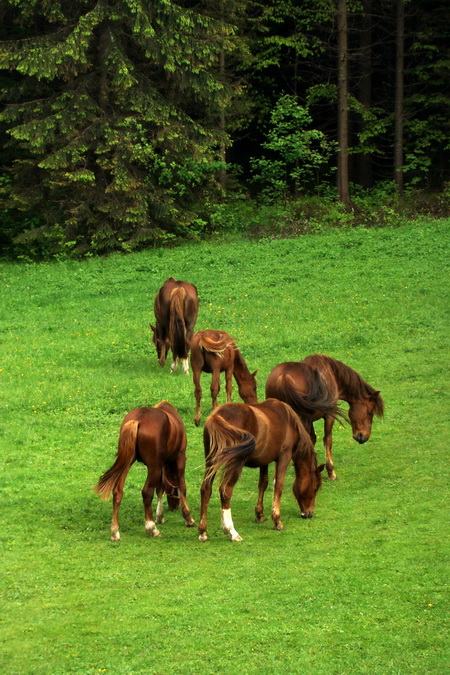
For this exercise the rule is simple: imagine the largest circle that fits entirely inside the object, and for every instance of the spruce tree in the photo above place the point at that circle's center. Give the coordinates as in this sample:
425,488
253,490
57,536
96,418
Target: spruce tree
109,108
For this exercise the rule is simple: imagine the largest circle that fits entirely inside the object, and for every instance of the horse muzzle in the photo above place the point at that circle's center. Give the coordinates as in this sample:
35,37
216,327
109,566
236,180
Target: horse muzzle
360,437
307,514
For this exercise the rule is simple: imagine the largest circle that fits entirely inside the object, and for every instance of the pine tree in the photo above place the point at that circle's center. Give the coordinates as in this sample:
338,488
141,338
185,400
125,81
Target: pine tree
111,116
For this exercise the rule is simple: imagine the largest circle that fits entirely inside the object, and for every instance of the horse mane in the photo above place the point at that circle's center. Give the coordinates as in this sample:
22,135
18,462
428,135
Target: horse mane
177,326
305,446
352,383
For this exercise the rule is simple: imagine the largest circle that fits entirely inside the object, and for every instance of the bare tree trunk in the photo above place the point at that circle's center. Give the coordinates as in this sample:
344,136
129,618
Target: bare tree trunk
399,75
222,125
365,88
342,157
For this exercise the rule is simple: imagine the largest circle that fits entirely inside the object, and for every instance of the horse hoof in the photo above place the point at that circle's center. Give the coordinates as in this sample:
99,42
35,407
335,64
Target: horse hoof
260,519
115,536
190,523
203,537
332,476
236,537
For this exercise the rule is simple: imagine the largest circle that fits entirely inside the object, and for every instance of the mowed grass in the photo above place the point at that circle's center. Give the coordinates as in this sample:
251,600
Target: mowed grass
358,589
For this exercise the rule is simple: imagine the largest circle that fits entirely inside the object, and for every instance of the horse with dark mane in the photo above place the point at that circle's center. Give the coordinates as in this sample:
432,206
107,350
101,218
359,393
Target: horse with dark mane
238,435
215,352
157,437
176,310
294,382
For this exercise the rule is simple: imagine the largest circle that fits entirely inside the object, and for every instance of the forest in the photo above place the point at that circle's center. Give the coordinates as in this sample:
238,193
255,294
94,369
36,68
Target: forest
126,124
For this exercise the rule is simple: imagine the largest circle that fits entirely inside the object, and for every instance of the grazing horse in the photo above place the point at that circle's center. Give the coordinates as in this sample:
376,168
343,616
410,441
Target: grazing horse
215,352
238,435
176,310
291,382
157,437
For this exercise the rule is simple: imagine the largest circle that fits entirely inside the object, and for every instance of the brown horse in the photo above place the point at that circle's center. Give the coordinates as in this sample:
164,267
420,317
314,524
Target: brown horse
292,382
215,352
238,435
176,310
157,437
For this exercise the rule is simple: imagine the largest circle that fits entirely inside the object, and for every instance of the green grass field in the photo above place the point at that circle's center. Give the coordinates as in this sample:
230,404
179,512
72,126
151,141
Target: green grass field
358,589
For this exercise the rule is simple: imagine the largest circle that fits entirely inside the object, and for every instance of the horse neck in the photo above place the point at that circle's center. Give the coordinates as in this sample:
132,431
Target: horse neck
240,369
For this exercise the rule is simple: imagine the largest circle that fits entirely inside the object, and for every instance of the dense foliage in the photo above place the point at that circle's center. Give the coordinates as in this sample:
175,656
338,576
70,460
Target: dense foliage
127,123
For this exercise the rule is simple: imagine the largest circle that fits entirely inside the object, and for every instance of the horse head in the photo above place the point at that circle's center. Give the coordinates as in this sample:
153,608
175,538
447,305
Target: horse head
361,414
162,345
247,388
307,489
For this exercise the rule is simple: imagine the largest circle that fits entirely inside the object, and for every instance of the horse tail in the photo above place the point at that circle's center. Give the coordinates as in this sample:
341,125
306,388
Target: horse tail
177,326
218,346
126,455
229,447
318,398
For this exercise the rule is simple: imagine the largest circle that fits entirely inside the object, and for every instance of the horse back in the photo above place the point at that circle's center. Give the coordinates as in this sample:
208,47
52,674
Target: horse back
164,295
269,422
161,433
212,350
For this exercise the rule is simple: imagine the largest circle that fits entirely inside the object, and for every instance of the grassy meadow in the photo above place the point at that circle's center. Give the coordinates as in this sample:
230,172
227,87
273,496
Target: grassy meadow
360,588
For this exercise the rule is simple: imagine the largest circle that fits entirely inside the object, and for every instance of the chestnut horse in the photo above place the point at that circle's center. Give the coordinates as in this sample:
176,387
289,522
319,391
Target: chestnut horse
176,310
292,382
215,352
157,437
238,435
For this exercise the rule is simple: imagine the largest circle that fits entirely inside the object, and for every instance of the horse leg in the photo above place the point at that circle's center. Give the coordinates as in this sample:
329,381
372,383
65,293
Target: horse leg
309,427
226,492
175,475
174,366
153,479
196,373
205,496
262,487
229,383
215,386
185,366
117,499
278,484
185,512
328,444
160,506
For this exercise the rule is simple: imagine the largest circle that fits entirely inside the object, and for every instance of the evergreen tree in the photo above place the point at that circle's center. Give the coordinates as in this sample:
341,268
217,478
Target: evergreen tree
112,116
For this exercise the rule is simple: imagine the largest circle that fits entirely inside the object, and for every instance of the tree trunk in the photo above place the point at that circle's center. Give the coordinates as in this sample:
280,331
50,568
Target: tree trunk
399,75
365,88
342,157
223,125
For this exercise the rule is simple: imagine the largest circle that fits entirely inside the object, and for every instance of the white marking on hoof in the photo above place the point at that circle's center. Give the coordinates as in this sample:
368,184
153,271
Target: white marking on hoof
174,366
228,527
203,537
151,529
115,536
185,366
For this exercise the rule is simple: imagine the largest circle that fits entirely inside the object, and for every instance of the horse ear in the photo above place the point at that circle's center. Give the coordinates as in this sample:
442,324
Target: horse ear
320,468
254,374
375,395
152,327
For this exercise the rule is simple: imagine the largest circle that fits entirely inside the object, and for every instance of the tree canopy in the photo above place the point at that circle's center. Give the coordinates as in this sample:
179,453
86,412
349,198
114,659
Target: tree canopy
123,121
